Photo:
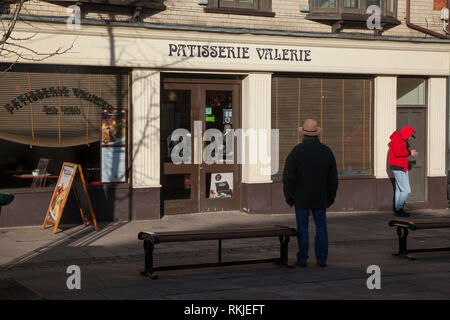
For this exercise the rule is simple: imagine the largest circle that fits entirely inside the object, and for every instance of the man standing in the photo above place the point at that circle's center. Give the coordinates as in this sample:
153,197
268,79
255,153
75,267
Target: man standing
310,183
398,162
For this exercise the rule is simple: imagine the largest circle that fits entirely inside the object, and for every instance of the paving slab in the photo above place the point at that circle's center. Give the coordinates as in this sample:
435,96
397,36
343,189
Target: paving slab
111,260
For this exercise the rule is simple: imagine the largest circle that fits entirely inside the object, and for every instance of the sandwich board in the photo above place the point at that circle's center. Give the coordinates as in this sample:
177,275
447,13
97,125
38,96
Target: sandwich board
71,175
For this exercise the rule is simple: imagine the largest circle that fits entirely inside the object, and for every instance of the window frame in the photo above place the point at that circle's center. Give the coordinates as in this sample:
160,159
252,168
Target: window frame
313,4
353,10
260,8
255,5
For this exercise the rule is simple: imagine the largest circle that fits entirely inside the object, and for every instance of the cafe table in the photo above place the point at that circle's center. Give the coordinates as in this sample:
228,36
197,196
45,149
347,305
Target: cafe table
31,176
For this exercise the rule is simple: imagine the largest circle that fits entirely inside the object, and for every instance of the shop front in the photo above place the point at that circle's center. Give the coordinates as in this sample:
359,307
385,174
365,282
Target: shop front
57,114
183,93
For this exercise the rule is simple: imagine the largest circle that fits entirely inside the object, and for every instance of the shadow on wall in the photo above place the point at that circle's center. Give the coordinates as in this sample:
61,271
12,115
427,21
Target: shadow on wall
109,202
391,178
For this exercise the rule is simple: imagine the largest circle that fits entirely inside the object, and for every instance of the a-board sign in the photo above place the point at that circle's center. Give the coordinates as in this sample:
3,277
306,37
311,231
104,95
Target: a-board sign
71,175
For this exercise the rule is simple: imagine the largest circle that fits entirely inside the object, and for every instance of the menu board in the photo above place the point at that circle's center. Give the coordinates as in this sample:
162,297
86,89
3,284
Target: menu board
61,193
113,164
70,172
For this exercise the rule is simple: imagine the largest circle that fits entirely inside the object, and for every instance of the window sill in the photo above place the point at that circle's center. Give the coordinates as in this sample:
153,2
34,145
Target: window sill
246,12
29,190
341,177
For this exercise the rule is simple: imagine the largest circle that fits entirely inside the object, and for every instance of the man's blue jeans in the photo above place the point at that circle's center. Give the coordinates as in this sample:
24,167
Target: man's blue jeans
321,241
402,188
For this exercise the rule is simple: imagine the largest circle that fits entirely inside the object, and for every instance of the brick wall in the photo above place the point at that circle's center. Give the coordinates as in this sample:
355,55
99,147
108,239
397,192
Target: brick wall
288,16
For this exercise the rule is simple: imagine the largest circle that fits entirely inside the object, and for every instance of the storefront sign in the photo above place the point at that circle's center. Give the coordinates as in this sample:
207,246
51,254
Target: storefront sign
236,52
35,95
70,175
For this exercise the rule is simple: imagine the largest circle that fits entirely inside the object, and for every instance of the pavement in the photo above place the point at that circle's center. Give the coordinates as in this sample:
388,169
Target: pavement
34,262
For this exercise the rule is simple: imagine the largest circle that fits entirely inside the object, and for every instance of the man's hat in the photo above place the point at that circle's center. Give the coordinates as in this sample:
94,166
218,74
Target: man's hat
310,128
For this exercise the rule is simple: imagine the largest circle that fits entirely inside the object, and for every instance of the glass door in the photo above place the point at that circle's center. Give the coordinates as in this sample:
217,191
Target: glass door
220,172
205,114
179,192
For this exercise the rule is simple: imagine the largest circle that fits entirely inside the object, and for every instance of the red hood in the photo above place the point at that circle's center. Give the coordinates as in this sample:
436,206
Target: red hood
395,135
404,134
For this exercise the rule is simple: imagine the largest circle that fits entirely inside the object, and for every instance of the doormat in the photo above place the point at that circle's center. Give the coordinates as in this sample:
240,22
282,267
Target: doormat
10,289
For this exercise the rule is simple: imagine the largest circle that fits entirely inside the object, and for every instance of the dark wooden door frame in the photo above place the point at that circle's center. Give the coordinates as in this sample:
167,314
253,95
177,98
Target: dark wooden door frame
225,203
198,202
182,205
425,203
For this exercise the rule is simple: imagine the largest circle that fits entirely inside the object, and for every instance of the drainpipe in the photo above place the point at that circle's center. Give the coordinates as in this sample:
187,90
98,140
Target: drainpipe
448,23
419,28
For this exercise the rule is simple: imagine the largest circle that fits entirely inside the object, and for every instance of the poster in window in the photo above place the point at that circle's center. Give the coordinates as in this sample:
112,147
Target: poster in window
113,164
221,185
114,127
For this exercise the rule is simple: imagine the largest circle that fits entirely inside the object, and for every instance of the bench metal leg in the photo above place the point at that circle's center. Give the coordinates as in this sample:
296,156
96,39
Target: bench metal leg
402,243
148,249
284,245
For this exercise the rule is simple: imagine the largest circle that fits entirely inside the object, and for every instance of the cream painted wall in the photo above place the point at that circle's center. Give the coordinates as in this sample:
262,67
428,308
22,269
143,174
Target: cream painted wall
145,152
256,116
437,123
385,119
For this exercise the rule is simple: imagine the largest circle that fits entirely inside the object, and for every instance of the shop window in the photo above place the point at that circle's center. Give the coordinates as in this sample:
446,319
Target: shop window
352,4
322,4
66,115
243,4
244,7
411,92
343,109
352,14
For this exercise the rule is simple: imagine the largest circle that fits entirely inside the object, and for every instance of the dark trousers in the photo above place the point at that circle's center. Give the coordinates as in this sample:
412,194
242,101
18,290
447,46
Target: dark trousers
321,240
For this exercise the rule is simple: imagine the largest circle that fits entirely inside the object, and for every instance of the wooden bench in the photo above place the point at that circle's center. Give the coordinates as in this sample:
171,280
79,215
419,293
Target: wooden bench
150,239
418,224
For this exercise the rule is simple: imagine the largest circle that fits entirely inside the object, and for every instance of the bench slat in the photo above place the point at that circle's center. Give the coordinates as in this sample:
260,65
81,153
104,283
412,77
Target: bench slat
421,223
198,235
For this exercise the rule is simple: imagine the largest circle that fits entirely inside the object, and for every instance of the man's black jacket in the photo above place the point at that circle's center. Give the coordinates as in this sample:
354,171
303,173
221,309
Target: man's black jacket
310,178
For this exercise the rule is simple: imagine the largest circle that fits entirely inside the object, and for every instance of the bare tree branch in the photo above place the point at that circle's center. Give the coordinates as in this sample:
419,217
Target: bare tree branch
12,22
12,46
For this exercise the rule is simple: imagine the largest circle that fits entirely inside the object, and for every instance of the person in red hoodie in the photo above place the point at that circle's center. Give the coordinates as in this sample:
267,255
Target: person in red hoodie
398,162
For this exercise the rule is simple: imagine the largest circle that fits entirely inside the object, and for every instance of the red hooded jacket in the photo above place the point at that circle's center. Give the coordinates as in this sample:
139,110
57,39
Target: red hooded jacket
398,148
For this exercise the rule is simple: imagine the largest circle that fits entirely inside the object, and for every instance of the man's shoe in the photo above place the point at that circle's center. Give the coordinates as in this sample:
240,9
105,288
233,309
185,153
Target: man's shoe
301,264
321,264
